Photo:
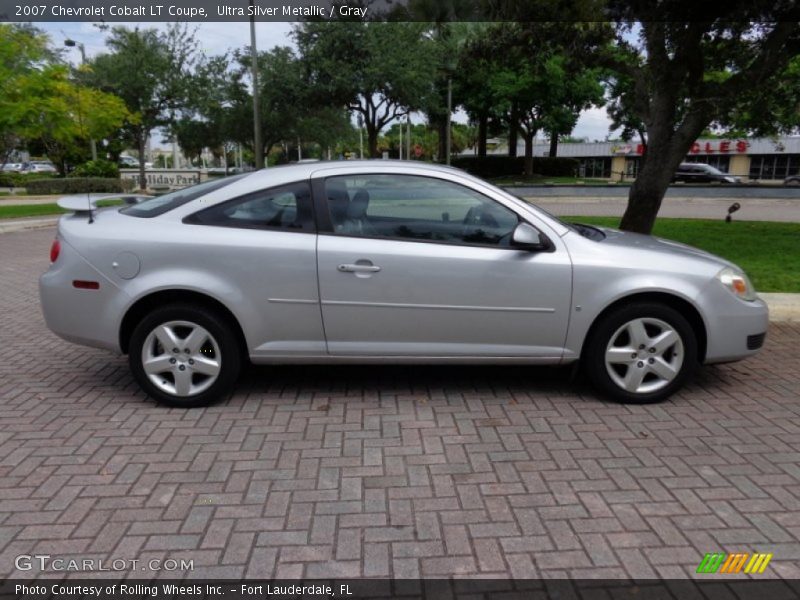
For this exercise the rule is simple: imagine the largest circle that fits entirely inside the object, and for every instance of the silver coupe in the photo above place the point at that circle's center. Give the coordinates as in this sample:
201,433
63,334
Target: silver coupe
384,262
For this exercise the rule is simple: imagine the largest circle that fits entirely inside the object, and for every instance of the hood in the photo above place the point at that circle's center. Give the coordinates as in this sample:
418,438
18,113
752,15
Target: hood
627,239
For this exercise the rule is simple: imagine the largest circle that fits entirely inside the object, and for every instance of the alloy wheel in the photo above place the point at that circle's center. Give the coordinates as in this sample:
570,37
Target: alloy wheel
181,358
644,355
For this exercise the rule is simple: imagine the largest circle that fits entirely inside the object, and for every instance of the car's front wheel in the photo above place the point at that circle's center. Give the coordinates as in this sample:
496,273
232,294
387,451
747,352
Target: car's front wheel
184,356
641,352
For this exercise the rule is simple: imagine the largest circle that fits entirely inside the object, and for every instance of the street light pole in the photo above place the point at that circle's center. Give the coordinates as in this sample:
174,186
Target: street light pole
408,136
360,137
259,151
449,111
71,44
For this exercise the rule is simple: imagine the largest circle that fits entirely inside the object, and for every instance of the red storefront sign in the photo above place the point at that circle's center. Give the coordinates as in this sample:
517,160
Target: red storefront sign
713,147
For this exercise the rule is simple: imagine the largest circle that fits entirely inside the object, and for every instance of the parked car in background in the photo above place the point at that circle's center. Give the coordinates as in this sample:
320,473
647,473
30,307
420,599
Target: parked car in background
39,166
703,173
793,180
384,262
129,162
12,167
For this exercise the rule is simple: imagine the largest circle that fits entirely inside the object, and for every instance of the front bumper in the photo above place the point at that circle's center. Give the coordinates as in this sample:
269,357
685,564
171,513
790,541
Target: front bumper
734,327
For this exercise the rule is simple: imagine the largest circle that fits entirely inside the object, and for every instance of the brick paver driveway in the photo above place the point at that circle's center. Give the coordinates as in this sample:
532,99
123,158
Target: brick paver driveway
311,471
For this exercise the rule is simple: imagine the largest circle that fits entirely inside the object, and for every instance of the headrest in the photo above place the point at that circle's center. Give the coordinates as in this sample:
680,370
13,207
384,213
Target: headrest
358,205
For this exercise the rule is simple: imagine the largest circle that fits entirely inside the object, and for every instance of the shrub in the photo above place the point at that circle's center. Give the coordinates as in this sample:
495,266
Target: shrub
491,166
96,168
555,166
79,185
9,179
512,166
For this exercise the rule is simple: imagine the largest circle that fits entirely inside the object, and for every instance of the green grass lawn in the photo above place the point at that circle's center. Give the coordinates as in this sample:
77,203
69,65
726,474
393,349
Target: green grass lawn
769,252
29,210
39,210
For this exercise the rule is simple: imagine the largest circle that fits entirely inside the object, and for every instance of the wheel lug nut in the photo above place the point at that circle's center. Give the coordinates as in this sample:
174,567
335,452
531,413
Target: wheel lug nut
172,361
191,362
174,349
186,350
652,350
182,367
651,360
641,346
640,364
633,355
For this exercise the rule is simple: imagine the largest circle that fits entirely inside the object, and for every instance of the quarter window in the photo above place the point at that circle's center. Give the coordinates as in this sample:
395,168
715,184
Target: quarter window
416,208
161,204
287,207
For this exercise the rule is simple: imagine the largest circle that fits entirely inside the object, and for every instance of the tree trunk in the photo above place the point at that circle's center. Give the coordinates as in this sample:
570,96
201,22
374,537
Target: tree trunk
513,129
140,139
372,141
441,134
553,144
529,153
483,122
666,148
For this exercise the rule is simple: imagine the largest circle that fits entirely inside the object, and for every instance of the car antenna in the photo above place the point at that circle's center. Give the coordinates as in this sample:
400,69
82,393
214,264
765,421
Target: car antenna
89,200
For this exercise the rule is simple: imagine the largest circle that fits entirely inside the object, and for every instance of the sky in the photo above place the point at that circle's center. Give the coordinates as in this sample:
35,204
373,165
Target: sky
217,38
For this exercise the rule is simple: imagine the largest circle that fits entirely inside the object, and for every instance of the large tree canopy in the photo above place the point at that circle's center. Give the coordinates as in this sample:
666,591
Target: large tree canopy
377,70
149,70
679,66
40,103
679,73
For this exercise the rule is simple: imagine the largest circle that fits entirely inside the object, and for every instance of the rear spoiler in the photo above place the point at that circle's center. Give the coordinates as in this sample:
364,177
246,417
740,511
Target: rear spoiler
82,203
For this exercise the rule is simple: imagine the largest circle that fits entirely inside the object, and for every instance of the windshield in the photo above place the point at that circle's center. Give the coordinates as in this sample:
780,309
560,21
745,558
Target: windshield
161,204
587,231
713,170
545,211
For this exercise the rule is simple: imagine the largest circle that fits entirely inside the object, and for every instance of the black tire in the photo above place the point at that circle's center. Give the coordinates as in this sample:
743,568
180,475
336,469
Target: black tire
594,354
227,346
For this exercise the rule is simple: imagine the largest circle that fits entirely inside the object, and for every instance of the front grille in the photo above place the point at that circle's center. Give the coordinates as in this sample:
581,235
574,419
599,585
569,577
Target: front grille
754,342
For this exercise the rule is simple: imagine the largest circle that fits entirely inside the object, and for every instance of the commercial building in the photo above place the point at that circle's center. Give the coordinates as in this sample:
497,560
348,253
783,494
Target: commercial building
756,159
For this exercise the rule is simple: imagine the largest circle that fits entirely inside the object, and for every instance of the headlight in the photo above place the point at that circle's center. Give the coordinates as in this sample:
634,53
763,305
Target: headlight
738,283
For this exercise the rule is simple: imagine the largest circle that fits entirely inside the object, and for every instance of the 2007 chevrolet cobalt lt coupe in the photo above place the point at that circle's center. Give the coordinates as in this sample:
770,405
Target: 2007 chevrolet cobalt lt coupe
386,262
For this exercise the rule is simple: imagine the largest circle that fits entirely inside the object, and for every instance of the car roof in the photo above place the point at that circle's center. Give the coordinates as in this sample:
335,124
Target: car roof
305,170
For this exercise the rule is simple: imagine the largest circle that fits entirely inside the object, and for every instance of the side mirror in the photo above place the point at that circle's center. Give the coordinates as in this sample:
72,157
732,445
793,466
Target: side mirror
527,237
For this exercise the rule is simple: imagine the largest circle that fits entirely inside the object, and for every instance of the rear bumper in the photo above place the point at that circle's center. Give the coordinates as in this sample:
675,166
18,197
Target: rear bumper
80,316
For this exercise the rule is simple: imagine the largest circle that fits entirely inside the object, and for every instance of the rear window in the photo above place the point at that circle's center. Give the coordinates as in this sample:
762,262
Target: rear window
161,204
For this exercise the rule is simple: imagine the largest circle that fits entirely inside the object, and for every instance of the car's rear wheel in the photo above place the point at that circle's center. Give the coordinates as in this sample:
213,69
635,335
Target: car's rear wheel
641,353
184,355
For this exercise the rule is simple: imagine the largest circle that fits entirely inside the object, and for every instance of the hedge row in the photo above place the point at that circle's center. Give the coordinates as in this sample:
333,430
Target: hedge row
512,166
79,185
10,179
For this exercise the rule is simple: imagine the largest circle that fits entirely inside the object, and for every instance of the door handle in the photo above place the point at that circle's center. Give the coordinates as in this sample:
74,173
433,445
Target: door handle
356,268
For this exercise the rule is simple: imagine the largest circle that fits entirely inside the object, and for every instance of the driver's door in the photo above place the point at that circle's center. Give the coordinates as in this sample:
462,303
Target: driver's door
424,266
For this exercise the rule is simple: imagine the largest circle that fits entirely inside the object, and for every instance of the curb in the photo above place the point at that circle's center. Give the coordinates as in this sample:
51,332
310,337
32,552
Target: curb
783,307
9,225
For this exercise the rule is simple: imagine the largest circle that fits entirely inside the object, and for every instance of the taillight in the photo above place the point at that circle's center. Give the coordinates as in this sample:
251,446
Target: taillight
55,250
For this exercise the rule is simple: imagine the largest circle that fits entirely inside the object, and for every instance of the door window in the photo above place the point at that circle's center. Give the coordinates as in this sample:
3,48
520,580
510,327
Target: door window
287,207
416,208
